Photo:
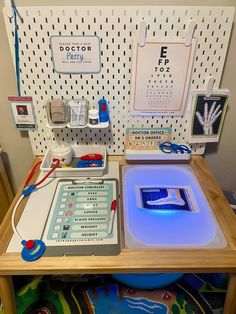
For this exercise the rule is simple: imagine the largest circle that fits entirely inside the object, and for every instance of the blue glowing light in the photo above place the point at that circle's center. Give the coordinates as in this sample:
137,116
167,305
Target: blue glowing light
164,206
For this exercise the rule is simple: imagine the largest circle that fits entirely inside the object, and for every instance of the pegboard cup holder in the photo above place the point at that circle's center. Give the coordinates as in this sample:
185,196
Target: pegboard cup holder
57,117
190,32
209,86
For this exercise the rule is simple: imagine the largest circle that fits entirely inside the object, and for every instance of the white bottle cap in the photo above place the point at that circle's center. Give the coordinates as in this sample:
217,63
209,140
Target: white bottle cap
93,113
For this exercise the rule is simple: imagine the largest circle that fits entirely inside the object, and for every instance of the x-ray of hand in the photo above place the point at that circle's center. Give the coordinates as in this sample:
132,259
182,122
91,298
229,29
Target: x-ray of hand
209,117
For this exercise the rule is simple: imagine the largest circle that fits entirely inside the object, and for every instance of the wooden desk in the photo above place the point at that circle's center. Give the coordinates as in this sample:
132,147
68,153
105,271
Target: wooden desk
159,260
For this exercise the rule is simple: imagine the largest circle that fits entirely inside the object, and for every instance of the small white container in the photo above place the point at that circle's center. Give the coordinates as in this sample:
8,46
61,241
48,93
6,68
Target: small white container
93,117
63,152
77,151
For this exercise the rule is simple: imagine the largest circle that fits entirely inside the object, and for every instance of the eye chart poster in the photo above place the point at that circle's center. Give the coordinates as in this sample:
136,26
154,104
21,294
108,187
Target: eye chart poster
160,77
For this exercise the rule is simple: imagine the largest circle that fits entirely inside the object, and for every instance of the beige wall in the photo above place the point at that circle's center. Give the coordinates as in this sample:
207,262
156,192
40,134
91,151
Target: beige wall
220,157
18,154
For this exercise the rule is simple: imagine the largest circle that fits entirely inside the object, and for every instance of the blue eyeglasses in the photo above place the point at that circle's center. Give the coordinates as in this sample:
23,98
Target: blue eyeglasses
168,148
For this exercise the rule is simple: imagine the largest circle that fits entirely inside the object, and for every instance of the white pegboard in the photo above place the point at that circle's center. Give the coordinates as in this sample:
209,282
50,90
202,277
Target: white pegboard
116,27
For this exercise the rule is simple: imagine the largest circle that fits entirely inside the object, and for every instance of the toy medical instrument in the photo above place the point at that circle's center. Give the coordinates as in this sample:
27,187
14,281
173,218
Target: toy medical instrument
113,212
103,110
168,148
91,157
32,249
89,163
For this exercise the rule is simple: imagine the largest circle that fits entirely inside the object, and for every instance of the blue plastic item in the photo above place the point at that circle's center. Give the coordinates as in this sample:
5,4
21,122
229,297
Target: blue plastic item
89,163
147,281
32,254
168,148
103,110
28,189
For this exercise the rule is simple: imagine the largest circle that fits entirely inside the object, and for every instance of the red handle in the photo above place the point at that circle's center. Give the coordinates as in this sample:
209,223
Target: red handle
91,157
113,205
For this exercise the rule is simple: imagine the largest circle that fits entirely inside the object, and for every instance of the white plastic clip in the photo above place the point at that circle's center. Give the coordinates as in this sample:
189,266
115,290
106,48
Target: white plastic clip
8,8
209,87
190,32
142,33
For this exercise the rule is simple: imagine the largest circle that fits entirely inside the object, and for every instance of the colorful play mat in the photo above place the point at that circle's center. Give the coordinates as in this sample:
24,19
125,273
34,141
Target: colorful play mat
101,294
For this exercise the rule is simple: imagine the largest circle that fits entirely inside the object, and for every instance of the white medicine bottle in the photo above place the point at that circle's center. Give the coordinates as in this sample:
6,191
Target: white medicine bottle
93,116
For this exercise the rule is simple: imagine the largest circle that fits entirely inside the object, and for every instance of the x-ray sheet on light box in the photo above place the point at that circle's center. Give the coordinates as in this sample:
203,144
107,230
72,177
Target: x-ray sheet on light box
166,198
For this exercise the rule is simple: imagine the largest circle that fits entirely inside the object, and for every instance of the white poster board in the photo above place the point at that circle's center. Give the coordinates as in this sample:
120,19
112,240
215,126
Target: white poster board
160,77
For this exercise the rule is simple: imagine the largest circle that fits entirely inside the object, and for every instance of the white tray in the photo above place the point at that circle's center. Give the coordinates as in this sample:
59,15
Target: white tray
78,150
157,154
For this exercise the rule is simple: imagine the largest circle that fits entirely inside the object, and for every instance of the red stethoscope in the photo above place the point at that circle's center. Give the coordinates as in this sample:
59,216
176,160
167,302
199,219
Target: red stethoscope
32,249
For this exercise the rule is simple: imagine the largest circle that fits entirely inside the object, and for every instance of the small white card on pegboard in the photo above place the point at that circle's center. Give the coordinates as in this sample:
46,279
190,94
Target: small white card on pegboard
23,112
160,77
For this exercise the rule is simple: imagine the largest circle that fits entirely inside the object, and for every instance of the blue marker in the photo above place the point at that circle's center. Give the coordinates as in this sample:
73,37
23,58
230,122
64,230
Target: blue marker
89,163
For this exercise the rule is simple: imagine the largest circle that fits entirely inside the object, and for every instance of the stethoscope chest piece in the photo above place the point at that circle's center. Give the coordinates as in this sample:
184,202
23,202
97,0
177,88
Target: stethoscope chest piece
32,250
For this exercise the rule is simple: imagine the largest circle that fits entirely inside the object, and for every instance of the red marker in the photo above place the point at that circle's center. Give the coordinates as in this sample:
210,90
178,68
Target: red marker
91,157
113,212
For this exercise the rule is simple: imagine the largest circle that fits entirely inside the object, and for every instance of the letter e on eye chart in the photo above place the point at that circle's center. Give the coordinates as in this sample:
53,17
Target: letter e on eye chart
208,115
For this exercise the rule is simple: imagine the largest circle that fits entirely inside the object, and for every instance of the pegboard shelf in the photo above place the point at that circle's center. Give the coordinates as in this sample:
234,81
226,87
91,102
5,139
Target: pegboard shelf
116,28
102,125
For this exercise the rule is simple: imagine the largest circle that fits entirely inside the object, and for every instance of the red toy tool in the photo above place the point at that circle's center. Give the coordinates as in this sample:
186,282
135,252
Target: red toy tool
91,157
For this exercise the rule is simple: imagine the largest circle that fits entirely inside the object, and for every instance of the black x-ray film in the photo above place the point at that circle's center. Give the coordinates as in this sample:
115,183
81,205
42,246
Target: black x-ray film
207,117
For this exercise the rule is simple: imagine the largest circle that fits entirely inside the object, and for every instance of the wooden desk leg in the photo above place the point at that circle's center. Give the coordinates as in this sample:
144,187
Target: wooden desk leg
7,294
230,300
